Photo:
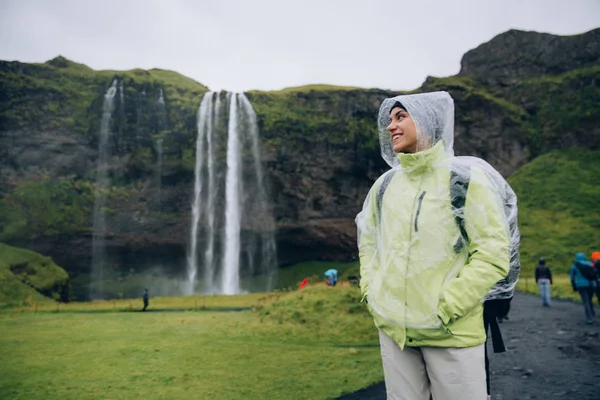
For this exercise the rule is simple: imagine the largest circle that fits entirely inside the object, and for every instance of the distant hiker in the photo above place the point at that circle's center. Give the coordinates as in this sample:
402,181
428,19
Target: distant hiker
332,277
543,278
596,262
146,298
583,280
437,238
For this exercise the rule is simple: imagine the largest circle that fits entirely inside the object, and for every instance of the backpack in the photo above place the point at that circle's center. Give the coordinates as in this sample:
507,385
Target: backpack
587,270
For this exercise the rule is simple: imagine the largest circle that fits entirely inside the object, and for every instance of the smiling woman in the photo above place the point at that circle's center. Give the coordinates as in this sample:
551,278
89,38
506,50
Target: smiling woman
437,237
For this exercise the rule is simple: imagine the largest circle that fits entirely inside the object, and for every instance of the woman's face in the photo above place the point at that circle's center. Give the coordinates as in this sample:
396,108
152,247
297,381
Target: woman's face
403,131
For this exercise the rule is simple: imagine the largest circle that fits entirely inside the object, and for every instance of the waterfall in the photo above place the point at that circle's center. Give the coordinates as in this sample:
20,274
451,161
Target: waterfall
140,125
159,151
209,266
121,121
231,246
161,97
232,231
121,96
204,125
102,185
266,231
161,128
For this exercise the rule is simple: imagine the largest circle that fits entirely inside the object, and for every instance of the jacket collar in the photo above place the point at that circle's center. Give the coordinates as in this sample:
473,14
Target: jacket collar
423,159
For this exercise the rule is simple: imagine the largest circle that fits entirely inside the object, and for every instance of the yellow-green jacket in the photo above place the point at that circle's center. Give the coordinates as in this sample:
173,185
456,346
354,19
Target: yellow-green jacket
420,291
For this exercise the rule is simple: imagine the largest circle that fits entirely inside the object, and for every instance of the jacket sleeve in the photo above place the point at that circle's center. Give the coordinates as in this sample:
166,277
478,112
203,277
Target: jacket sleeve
572,273
489,250
366,222
537,274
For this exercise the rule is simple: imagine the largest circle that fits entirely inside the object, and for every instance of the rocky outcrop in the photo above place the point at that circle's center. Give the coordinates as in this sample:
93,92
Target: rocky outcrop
516,55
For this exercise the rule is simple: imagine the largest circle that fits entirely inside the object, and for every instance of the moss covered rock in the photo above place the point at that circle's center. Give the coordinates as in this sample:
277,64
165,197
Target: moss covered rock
26,276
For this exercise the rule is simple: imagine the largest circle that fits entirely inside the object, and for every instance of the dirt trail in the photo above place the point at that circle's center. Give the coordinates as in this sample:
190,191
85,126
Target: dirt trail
551,354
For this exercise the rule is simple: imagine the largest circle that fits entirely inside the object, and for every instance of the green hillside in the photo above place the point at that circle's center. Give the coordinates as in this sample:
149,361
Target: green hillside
559,207
564,110
64,94
27,277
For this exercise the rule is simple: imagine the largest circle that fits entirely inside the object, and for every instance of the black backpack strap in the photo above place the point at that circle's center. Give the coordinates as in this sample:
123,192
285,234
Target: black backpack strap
487,369
386,182
460,177
491,310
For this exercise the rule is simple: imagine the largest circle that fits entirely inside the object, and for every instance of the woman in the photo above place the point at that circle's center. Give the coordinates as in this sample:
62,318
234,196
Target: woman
434,238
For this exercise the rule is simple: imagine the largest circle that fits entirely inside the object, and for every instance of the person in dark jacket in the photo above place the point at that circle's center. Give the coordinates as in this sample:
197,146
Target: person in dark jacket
583,285
146,298
543,278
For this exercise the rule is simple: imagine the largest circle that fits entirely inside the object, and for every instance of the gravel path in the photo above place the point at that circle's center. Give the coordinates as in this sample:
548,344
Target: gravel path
551,354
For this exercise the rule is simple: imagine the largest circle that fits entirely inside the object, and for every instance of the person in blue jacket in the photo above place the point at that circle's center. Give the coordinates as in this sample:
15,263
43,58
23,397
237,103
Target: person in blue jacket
581,282
332,277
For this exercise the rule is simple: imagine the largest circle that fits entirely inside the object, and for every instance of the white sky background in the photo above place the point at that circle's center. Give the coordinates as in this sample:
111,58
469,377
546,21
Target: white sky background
271,44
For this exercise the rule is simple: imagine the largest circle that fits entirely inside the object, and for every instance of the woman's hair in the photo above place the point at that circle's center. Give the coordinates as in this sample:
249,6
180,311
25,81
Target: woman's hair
397,104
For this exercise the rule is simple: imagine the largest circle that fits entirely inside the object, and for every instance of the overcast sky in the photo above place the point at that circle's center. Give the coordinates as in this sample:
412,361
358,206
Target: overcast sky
271,44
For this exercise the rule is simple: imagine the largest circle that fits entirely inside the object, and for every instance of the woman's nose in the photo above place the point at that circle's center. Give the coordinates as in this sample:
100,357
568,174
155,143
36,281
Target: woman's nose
390,127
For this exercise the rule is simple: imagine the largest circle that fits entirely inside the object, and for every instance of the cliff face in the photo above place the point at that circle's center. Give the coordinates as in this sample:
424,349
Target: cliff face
49,128
319,145
517,55
553,79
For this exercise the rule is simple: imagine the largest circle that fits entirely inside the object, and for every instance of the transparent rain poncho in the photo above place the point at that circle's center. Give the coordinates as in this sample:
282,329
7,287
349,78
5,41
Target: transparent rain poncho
436,232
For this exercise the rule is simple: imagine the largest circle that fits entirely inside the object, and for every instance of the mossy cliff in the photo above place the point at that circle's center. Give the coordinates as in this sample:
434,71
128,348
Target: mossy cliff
319,145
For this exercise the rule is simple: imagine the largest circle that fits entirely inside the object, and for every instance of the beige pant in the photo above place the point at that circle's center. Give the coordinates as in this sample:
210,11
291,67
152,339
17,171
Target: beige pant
441,372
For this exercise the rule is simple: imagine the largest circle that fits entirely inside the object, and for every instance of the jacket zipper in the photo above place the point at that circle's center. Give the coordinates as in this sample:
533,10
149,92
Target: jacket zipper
419,211
406,338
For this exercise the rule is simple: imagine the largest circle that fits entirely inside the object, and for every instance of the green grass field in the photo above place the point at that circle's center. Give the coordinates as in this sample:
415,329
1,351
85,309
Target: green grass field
316,347
316,343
